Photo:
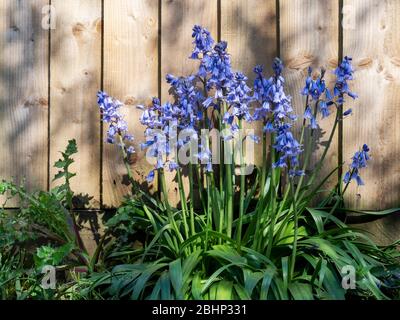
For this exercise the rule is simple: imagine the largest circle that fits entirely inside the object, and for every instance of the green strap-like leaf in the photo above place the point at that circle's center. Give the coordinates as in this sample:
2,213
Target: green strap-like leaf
175,273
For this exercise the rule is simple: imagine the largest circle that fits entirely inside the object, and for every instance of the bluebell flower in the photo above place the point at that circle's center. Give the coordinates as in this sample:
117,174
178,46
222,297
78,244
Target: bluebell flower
239,99
117,126
276,112
359,161
296,173
203,41
187,98
344,72
205,157
150,176
324,109
307,88
347,112
277,66
287,146
308,113
254,137
215,65
317,91
269,127
165,121
310,116
313,123
173,166
158,119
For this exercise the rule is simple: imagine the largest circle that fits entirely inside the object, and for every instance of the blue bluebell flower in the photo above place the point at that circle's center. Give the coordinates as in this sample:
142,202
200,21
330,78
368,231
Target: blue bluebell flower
276,112
158,119
307,88
287,146
205,157
347,112
296,173
359,161
344,72
150,176
308,113
317,91
203,41
217,65
324,109
239,99
117,126
187,99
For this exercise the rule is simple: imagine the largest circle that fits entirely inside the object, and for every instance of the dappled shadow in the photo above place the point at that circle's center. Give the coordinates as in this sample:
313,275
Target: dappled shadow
307,38
89,221
23,95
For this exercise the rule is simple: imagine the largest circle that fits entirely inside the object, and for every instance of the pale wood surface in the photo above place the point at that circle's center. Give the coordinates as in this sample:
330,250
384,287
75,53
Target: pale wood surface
23,94
131,75
132,58
75,78
178,19
374,44
249,27
309,37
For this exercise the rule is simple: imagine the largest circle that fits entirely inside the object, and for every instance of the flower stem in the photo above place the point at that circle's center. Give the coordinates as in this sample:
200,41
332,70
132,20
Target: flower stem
191,190
296,231
127,165
228,181
273,200
209,210
183,202
308,150
242,191
167,205
264,162
318,167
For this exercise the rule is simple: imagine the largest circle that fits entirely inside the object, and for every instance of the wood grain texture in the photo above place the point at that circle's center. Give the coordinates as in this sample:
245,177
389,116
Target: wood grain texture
249,27
75,79
23,93
373,41
178,19
131,75
309,37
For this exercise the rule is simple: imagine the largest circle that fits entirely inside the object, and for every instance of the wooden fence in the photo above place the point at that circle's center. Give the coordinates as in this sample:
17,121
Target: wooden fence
49,78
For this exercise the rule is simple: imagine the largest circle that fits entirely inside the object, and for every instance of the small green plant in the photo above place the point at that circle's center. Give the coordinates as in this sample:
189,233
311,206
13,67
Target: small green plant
42,232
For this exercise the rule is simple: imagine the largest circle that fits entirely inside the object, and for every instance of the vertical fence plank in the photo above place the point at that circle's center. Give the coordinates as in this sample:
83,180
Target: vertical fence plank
23,93
178,19
371,36
371,33
131,75
249,27
309,37
75,78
